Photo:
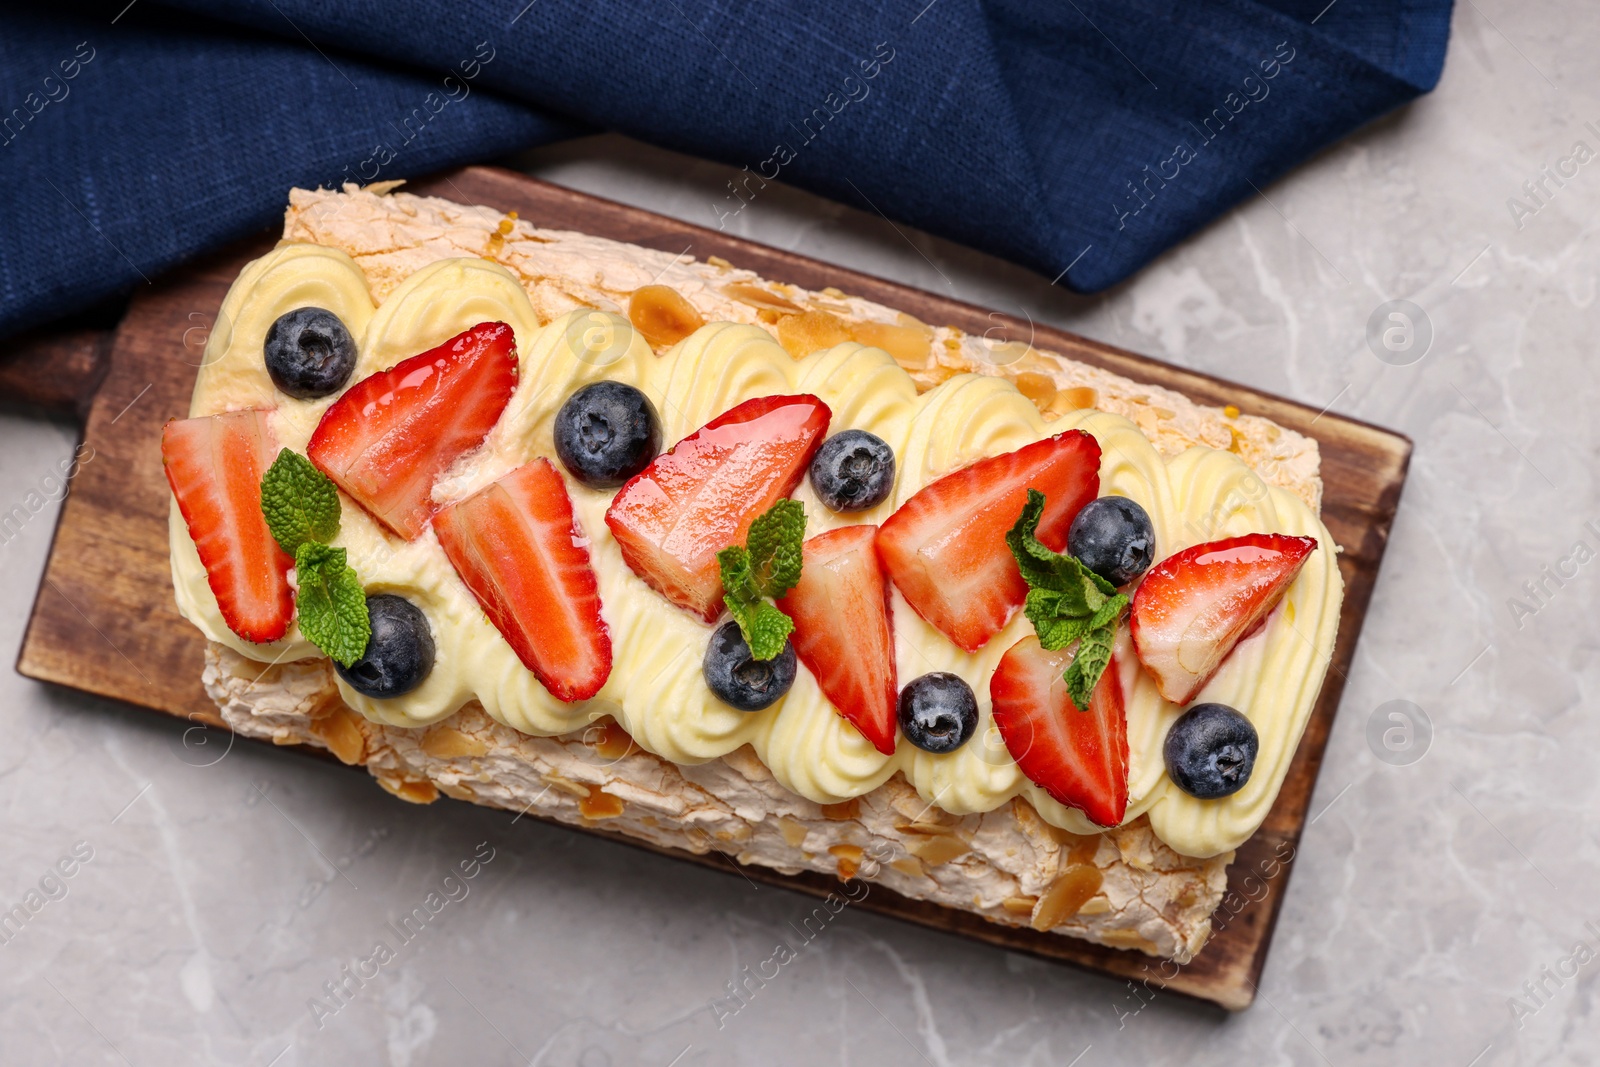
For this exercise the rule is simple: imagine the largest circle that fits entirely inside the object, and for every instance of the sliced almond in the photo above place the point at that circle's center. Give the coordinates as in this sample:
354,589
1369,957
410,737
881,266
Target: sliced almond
566,785
609,739
1128,939
446,742
756,296
1081,848
793,831
411,789
939,850
843,811
1039,388
249,670
598,804
1070,891
1076,398
849,857
908,344
458,791
340,731
909,866
663,315
805,333
1019,905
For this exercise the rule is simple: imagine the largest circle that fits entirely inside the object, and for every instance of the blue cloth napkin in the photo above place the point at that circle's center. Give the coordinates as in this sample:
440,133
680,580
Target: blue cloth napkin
1078,137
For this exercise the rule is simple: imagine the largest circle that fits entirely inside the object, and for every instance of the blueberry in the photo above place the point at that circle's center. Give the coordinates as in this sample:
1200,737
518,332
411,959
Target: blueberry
309,353
400,653
741,681
853,471
1113,537
606,433
938,712
1210,751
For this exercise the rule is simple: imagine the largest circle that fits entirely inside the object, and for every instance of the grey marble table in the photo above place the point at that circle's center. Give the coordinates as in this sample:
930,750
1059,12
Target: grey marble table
1442,911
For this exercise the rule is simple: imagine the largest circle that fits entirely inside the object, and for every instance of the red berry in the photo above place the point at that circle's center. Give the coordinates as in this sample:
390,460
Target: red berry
690,503
1194,607
215,465
945,548
1078,757
392,433
842,630
517,546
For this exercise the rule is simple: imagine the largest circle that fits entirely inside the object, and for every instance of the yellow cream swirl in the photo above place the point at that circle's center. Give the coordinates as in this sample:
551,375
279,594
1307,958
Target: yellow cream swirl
656,690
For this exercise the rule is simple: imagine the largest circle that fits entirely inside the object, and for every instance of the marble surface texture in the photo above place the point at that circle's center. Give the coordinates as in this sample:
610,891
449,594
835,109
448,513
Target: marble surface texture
1442,911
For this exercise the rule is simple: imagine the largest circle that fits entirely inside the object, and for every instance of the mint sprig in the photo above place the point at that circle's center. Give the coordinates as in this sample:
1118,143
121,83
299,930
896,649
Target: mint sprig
1066,602
301,506
332,604
761,570
299,502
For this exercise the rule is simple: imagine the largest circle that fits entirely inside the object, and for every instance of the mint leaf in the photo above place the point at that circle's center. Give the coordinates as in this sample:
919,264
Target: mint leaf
300,502
767,630
738,582
766,566
1083,673
1109,613
332,604
1066,602
1055,630
774,543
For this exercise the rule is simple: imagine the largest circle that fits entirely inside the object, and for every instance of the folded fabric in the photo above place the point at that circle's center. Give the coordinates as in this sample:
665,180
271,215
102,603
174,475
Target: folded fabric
1078,138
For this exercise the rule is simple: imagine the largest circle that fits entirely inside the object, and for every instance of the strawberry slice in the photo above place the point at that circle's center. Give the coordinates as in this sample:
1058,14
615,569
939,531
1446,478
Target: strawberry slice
519,549
945,548
392,433
690,503
842,632
214,465
1193,607
1079,757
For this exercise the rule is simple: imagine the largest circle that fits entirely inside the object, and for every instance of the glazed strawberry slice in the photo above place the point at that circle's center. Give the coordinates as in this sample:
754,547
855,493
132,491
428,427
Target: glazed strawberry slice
214,465
1193,607
1079,757
517,546
842,631
945,548
391,434
690,503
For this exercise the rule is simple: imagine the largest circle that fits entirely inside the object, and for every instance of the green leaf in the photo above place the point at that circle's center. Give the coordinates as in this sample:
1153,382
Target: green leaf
1066,602
300,503
767,630
1055,628
766,566
1109,613
332,604
738,583
1083,673
1082,590
775,543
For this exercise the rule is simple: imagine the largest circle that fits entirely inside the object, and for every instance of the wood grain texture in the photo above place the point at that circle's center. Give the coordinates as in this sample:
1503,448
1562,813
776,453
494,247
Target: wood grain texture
105,620
58,369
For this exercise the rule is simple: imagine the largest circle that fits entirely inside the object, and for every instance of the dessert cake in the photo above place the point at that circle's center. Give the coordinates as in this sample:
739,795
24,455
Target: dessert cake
562,525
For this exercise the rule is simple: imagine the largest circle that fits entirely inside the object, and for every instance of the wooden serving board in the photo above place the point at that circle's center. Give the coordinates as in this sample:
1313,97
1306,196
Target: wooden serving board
105,621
